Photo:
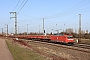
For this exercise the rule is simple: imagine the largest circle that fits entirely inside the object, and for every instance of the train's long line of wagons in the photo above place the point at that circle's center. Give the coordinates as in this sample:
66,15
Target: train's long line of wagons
55,38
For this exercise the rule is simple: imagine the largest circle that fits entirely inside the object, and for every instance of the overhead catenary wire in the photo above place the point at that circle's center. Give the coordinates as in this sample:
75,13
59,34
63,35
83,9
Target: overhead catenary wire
54,16
16,5
68,13
81,3
63,14
53,22
22,6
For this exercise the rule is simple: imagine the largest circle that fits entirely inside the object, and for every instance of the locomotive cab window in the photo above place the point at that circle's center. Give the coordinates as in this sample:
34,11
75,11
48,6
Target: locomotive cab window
58,34
69,36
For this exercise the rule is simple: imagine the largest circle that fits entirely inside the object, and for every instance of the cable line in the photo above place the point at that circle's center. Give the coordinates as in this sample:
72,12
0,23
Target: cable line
22,6
70,10
16,5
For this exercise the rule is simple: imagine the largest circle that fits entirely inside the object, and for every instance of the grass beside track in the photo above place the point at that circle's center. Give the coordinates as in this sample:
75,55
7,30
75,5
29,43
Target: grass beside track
20,53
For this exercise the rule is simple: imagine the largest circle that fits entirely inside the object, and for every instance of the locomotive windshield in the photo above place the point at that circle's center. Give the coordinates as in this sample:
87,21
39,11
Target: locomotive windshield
58,34
69,36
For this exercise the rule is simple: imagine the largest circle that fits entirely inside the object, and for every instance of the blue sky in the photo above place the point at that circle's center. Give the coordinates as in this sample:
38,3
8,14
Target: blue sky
58,14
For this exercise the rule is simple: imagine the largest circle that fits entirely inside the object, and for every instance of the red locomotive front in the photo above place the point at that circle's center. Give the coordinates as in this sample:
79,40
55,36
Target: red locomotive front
62,38
70,39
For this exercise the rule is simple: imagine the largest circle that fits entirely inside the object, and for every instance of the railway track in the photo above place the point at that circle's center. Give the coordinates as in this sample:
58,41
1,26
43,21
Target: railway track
55,50
78,47
53,57
86,46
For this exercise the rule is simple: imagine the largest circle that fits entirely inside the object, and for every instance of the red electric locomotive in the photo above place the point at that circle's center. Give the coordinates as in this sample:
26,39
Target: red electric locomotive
63,38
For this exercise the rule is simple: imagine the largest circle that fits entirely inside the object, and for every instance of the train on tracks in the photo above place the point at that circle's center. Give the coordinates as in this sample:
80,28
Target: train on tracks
62,38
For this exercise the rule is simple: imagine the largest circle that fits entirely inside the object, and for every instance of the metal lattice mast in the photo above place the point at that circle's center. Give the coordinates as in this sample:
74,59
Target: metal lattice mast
27,29
15,21
43,26
80,26
7,29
